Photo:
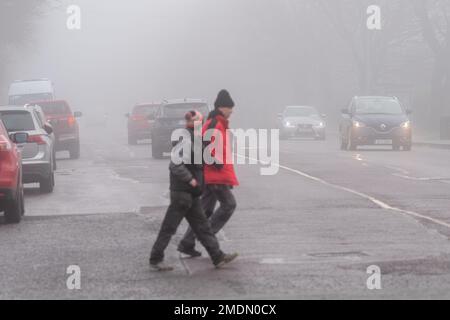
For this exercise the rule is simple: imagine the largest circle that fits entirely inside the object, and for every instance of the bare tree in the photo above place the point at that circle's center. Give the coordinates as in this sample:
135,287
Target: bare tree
369,48
16,26
434,18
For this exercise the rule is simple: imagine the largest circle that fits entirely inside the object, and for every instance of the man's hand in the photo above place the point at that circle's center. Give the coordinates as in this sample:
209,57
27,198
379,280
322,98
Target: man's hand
218,166
193,183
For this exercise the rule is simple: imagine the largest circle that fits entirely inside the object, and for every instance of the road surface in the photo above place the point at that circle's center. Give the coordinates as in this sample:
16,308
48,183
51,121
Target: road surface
311,231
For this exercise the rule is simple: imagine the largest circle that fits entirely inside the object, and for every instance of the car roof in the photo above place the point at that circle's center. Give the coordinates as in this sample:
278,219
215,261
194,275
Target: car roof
185,100
148,104
48,101
13,108
29,80
376,97
300,107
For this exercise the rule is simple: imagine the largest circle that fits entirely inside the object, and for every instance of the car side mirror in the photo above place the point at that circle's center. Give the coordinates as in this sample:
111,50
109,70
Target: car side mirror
19,137
345,111
48,128
77,114
127,115
409,111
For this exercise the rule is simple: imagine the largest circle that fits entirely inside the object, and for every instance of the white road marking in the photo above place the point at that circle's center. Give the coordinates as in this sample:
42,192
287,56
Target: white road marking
418,178
184,264
272,261
376,201
404,173
118,177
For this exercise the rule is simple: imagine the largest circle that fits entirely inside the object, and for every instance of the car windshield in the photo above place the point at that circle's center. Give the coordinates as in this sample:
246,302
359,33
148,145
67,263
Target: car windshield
54,108
17,120
301,112
179,110
146,110
378,106
27,98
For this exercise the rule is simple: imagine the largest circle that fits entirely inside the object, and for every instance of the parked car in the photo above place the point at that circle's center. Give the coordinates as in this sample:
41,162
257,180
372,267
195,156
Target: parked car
140,122
22,92
169,117
302,121
375,121
38,153
11,185
65,125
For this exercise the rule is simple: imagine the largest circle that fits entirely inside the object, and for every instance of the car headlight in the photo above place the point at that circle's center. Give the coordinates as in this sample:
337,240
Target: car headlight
319,125
406,125
357,124
288,124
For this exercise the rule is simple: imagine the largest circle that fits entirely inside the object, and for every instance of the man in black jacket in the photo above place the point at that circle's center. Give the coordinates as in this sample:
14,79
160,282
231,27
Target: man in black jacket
186,184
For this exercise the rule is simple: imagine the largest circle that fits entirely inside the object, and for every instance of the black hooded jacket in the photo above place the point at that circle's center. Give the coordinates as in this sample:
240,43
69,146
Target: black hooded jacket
182,174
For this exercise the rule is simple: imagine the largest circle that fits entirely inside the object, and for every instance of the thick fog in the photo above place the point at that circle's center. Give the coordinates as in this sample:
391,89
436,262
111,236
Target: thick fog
267,53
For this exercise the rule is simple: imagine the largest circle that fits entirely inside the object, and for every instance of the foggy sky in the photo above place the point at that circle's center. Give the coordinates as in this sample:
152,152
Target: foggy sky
267,53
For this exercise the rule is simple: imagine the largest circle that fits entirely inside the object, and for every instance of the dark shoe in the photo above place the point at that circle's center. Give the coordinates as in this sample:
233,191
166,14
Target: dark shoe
227,258
190,252
161,267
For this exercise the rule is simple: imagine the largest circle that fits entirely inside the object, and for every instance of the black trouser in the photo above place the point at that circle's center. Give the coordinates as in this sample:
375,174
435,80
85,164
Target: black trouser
218,218
184,205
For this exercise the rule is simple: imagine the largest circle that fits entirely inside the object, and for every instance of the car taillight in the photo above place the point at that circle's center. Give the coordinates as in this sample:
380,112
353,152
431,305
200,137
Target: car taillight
5,144
138,117
38,139
71,121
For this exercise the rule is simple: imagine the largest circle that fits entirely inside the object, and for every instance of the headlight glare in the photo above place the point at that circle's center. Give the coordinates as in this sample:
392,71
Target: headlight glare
358,124
406,125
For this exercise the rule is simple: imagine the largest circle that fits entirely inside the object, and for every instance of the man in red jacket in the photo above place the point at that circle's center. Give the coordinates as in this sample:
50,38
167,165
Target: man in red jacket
220,177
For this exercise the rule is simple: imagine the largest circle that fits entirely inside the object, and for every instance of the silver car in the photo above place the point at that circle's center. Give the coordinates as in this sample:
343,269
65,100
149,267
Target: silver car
38,153
302,121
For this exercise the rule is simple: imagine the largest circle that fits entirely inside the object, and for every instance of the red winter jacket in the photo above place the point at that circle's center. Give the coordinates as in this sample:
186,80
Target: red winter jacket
225,175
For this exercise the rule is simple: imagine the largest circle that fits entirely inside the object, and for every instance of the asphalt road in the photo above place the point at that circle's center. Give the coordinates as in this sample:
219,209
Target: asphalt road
311,231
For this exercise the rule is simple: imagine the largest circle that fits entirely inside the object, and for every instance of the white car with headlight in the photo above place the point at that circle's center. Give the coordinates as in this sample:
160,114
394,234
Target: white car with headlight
302,121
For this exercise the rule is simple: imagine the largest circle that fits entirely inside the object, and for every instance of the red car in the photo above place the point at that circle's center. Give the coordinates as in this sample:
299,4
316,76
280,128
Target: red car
140,122
65,126
11,187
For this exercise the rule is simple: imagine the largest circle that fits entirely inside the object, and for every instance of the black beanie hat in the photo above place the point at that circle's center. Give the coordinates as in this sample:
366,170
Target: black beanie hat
224,100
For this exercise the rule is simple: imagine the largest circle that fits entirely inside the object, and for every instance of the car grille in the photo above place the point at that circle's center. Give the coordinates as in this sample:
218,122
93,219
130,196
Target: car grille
383,129
304,126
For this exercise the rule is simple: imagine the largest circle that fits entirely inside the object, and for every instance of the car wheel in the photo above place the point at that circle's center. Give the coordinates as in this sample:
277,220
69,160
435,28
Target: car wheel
22,200
46,185
54,160
15,209
132,140
75,150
